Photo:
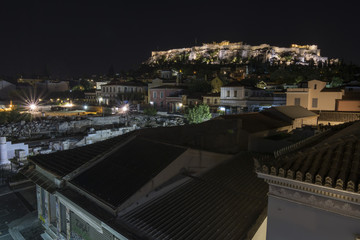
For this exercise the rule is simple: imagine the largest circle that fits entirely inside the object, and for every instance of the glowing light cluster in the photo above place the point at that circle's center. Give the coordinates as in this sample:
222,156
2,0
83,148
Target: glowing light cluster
68,105
32,106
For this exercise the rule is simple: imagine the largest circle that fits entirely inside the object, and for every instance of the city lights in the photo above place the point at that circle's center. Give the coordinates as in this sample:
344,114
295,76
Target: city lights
32,106
68,105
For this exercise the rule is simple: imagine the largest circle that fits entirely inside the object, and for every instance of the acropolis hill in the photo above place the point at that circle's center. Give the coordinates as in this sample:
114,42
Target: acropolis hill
227,52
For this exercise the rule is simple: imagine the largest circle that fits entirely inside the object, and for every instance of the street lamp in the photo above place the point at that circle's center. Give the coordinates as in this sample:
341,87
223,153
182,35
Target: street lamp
125,109
32,107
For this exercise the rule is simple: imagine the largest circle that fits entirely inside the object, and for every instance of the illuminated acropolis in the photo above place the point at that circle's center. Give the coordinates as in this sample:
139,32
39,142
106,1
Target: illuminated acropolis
238,52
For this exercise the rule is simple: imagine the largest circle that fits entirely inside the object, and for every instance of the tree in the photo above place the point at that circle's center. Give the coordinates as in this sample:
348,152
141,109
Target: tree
111,72
150,111
336,81
299,79
198,114
85,84
13,116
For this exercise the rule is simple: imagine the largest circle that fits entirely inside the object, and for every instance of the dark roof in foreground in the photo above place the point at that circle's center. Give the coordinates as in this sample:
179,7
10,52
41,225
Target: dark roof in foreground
126,169
334,163
64,162
224,203
294,112
257,122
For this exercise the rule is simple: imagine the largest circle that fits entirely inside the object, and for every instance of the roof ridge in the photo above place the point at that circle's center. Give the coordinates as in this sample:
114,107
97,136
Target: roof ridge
100,157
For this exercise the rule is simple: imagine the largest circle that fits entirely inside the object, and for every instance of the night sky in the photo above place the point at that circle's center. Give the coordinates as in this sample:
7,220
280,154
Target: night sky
77,37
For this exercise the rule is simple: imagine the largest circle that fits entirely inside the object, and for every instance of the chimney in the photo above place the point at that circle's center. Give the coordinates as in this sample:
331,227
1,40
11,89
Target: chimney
3,151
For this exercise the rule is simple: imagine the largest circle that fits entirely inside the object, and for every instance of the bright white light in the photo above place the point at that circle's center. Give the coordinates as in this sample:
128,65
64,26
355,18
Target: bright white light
85,107
152,103
68,105
222,109
100,99
180,104
32,106
125,108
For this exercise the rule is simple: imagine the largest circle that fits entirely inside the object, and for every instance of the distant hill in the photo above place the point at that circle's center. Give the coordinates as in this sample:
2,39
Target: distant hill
226,53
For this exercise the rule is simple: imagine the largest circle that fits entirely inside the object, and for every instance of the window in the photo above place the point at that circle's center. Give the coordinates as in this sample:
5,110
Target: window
246,93
235,93
227,93
125,89
215,101
297,102
161,94
208,101
161,104
154,95
315,86
62,218
314,102
43,208
52,208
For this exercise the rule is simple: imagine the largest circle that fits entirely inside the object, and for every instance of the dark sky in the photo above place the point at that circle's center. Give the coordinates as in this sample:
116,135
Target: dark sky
76,37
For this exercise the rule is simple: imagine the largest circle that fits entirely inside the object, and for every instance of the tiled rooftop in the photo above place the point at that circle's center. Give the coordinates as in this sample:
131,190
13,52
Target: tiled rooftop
334,163
64,162
121,174
339,116
224,203
129,83
294,112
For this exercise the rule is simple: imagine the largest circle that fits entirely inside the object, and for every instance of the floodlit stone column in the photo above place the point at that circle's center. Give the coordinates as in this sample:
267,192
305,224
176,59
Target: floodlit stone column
3,151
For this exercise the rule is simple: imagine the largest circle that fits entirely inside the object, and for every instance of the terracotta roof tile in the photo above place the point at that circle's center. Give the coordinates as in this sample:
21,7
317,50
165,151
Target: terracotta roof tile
334,162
